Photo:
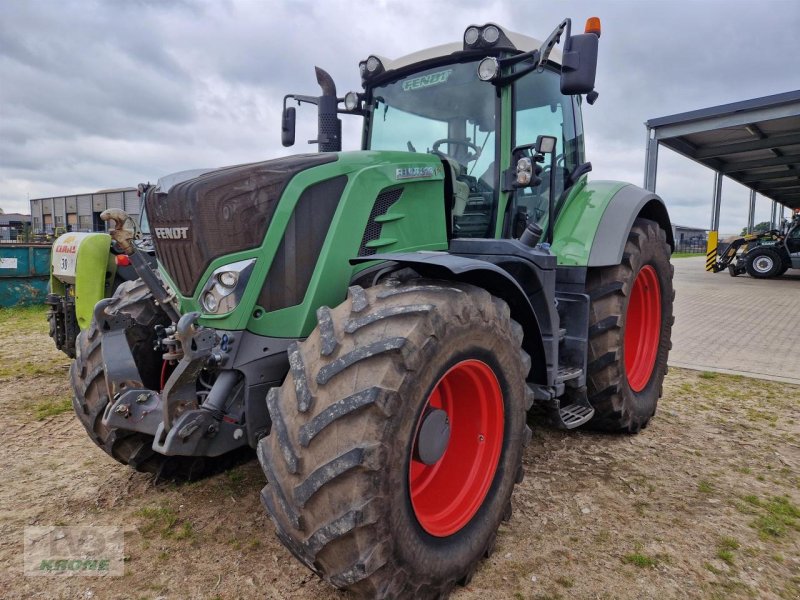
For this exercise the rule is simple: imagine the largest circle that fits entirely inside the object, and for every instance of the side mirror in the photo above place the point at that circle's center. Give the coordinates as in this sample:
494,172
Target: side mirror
545,144
287,126
579,64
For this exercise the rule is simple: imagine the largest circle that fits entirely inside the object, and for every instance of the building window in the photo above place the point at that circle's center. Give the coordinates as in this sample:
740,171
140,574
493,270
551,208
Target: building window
85,223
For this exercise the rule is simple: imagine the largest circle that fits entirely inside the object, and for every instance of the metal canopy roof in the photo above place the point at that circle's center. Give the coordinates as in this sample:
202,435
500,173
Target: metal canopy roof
755,142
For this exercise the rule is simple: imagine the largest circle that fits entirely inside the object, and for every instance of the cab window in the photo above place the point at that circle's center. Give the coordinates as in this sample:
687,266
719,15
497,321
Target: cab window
541,109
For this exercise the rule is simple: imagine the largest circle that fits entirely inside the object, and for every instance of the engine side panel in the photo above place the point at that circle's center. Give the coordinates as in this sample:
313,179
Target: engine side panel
414,219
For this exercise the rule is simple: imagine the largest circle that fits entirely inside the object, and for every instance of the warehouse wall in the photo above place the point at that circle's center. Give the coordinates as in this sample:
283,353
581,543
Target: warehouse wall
81,212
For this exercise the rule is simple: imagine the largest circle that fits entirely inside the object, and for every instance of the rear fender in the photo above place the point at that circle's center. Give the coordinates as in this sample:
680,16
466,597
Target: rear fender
597,217
485,275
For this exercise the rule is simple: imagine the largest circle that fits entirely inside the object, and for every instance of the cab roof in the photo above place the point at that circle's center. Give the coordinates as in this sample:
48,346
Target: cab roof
522,43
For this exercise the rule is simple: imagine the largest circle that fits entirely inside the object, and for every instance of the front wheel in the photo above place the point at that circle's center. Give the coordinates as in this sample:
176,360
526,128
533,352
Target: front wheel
397,438
763,263
630,325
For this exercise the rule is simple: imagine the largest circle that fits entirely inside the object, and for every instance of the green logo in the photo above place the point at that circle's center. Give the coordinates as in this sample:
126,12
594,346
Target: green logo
426,80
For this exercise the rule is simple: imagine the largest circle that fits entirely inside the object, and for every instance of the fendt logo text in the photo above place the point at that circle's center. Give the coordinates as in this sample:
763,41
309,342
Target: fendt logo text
171,233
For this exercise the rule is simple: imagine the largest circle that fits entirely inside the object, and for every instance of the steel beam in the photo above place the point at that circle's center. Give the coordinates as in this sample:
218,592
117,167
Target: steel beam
650,162
737,119
751,213
774,215
715,208
782,174
735,167
748,146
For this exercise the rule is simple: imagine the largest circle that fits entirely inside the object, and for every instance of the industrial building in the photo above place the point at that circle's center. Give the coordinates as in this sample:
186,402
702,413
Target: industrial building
80,212
13,225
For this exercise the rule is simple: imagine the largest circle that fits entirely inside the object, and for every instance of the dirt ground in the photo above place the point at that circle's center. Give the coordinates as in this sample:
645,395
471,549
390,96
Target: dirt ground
704,503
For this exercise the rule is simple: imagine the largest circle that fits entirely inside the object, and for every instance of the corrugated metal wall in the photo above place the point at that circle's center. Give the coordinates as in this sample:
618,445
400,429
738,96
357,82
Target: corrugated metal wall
68,209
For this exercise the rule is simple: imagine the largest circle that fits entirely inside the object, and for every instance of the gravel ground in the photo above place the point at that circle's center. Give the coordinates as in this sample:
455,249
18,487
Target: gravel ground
704,503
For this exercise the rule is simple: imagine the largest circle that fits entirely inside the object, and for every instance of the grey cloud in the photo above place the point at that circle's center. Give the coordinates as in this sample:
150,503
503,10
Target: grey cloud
104,94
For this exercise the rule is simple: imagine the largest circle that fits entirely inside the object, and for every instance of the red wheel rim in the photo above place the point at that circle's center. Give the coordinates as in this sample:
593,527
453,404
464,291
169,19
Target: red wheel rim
642,328
448,493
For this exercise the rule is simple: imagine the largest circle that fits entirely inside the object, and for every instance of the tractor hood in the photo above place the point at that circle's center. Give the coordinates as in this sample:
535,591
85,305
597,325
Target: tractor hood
195,219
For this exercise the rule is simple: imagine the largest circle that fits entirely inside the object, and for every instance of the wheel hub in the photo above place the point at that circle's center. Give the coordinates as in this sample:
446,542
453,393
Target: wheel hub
762,264
433,436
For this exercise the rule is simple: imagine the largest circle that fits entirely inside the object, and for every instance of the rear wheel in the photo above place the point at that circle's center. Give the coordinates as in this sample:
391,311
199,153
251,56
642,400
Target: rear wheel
629,331
397,438
763,263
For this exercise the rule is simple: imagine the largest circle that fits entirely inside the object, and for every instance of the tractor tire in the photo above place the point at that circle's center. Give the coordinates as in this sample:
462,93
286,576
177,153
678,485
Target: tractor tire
131,298
785,267
363,487
763,263
630,325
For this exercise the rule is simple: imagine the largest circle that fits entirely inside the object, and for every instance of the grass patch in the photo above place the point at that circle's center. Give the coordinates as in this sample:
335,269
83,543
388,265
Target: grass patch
26,319
566,582
705,487
163,521
686,254
778,515
640,560
708,375
51,408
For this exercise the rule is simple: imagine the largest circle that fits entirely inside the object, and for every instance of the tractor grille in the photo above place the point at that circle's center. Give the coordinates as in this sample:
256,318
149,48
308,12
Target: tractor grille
217,213
297,255
383,203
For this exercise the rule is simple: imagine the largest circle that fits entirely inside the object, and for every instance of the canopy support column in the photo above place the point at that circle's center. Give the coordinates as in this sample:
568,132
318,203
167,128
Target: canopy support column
651,161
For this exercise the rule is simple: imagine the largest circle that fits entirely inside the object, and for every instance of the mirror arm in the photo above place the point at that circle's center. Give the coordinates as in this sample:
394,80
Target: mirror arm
538,56
551,201
300,99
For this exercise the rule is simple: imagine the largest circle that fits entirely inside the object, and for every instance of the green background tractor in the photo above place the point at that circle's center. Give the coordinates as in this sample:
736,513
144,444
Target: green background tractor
762,255
379,323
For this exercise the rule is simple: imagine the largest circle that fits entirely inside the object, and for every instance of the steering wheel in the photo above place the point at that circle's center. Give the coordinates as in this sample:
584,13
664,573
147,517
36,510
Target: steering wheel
467,144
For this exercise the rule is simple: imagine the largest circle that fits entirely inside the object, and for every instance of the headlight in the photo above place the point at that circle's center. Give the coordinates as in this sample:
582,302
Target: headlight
351,101
210,302
471,35
490,34
225,288
488,68
228,278
373,63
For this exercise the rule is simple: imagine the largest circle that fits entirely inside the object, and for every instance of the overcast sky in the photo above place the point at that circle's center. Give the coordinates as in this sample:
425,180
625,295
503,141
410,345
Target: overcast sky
109,94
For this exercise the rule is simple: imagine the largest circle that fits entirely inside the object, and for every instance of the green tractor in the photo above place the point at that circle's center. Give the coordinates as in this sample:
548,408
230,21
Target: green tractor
378,324
762,255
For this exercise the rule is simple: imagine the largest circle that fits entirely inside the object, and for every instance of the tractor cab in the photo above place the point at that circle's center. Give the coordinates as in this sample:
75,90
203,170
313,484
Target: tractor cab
480,105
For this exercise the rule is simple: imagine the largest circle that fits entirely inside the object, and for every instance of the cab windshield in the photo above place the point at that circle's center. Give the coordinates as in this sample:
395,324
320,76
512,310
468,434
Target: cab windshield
446,110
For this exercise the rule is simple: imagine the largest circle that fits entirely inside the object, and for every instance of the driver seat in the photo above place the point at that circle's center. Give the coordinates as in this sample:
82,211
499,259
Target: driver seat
488,176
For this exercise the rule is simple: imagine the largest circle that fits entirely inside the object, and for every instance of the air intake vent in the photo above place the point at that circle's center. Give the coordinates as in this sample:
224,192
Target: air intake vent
383,203
297,255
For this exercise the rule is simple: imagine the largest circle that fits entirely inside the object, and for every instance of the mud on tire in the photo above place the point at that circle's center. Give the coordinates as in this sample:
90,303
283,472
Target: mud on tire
337,458
618,407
